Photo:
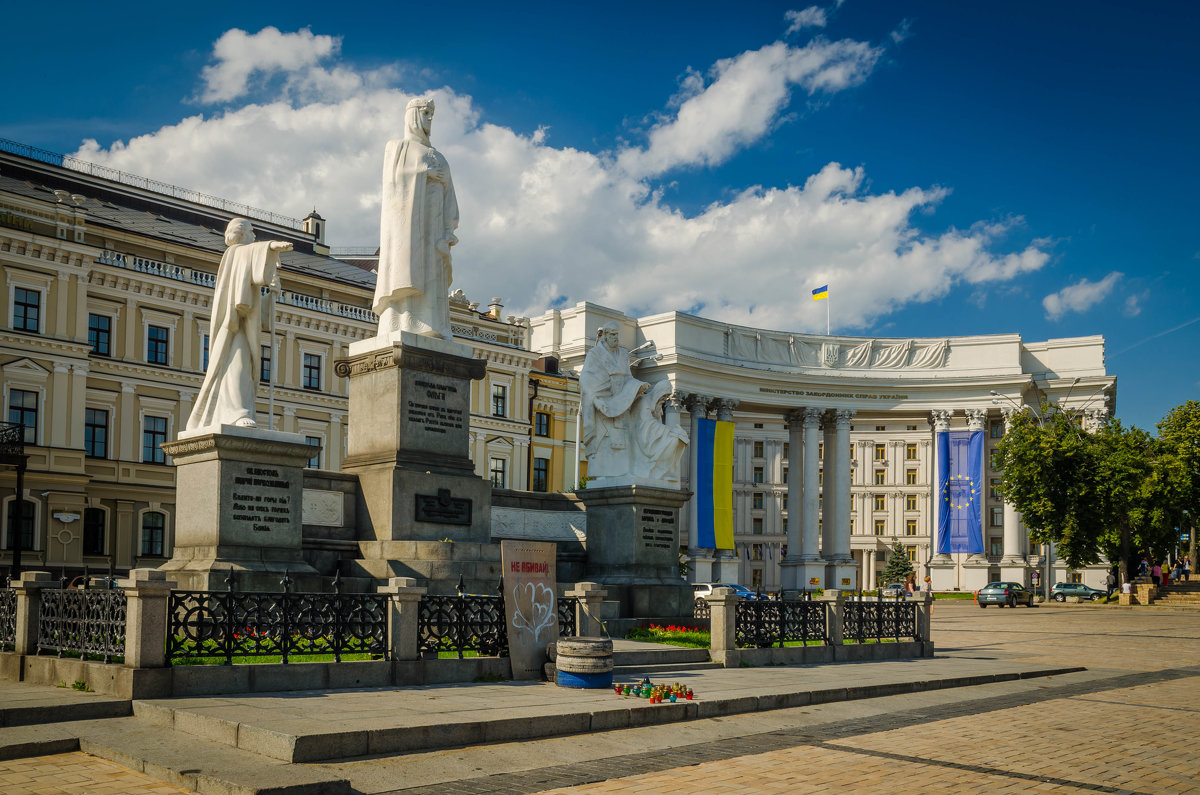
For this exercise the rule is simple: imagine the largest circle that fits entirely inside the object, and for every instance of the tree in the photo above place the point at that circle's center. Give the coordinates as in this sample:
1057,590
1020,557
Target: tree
1106,492
1179,434
898,565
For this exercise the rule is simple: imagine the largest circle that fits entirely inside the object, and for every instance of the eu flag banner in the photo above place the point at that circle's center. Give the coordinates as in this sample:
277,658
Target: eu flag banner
714,484
960,491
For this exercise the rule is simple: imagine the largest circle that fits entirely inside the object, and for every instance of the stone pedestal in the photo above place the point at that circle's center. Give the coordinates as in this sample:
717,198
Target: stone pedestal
409,445
238,505
842,575
1014,570
633,548
701,561
975,573
802,575
942,573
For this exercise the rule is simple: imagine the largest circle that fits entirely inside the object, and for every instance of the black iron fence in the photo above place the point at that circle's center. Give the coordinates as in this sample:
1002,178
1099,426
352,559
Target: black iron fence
8,616
879,619
88,622
567,611
762,623
463,623
225,625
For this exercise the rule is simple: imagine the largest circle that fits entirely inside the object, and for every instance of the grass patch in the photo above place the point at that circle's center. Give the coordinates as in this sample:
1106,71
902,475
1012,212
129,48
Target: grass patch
868,640
954,595
266,660
672,636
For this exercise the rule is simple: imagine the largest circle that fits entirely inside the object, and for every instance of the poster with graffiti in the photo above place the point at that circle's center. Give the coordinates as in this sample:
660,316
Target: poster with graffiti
530,604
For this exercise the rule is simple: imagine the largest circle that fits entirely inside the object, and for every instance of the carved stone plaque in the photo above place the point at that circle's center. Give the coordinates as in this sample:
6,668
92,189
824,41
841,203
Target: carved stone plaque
442,508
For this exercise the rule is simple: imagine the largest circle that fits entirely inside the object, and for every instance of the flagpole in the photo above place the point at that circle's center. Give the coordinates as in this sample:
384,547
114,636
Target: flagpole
274,364
827,331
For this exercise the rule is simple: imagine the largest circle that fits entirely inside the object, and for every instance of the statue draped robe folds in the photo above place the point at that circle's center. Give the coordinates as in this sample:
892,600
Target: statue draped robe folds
227,396
418,217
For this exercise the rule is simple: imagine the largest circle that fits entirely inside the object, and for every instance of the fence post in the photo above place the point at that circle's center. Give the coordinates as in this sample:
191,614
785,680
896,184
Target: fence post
404,617
146,592
837,605
722,606
29,609
590,595
924,602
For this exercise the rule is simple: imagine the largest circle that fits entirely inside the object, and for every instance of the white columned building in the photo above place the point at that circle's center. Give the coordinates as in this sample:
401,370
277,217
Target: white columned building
799,403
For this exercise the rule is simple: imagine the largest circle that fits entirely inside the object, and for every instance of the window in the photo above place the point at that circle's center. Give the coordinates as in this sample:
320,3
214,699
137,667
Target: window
541,424
910,477
1075,577
853,455
100,334
758,449
910,502
311,371
910,427
756,579
26,524
756,552
997,516
880,475
995,547
820,477
27,309
996,429
912,554
910,451
154,433
315,443
785,474
95,433
757,525
153,524
758,425
880,502
910,527
758,500
994,490
880,452
23,409
820,451
758,474
787,450
541,474
785,503
204,353
881,427
264,365
498,467
820,502
157,344
499,400
93,531
852,524
880,526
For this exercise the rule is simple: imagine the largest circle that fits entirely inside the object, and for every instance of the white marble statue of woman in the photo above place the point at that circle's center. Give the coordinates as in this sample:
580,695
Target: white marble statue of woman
417,223
227,395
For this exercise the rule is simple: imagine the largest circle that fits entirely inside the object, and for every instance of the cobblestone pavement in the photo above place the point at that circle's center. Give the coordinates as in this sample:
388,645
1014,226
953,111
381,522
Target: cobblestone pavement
75,774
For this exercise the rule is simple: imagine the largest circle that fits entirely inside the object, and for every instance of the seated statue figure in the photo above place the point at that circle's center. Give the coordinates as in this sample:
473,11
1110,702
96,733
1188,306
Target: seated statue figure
623,433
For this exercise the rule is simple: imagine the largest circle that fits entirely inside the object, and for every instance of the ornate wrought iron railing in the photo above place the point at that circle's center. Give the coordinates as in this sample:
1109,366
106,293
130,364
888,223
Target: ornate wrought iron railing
85,622
763,623
206,624
463,623
880,619
12,438
700,608
8,615
567,610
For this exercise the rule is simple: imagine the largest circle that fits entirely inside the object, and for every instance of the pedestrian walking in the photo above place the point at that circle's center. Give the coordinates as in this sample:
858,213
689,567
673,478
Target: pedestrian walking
1110,582
1156,574
1187,568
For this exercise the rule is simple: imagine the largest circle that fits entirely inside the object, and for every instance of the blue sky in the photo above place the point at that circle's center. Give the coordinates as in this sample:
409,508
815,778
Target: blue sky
948,168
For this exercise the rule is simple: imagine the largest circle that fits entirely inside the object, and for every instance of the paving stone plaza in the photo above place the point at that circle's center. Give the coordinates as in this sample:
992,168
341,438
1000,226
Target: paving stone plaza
1104,705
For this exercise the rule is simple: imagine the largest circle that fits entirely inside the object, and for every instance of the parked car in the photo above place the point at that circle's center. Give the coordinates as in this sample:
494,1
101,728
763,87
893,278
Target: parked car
703,589
1062,590
893,591
1004,593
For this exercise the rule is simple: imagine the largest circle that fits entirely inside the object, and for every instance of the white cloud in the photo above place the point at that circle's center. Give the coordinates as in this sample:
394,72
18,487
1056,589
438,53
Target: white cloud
1133,303
544,225
743,101
1079,297
811,17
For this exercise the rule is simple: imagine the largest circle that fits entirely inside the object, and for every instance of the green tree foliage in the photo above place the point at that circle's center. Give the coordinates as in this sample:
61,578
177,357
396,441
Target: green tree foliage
1179,434
1112,492
898,566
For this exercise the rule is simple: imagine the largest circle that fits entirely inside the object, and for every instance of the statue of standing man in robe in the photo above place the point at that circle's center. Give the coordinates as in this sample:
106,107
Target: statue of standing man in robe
227,396
417,221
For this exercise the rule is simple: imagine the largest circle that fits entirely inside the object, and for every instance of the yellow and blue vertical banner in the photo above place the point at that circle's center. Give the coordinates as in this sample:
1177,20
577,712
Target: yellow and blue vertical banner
714,484
960,491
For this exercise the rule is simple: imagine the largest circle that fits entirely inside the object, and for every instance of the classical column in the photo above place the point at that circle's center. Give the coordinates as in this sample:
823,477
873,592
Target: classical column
1012,518
59,405
79,373
700,559
940,420
797,475
834,460
129,437
333,445
841,537
726,564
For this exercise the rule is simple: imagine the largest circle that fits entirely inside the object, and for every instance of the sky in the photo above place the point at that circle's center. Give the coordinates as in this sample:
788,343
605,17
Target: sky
946,168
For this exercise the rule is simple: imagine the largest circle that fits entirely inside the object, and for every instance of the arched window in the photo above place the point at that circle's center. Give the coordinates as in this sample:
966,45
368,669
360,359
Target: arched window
153,529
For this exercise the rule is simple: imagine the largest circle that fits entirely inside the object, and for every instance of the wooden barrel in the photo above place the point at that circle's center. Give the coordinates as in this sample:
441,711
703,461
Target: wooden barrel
584,662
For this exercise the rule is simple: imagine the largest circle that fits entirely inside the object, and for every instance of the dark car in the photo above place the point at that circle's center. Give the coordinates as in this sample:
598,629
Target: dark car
1004,593
1062,590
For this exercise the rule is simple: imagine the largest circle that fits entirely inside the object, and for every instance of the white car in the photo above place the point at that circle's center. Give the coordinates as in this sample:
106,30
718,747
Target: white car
703,589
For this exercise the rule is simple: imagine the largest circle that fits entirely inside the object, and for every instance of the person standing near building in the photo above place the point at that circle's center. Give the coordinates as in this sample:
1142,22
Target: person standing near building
1110,582
1156,573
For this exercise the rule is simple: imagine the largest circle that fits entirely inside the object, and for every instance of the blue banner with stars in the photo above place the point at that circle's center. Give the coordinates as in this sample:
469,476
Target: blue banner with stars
960,491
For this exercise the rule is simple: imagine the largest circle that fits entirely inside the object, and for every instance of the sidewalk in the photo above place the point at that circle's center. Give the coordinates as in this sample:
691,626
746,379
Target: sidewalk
250,743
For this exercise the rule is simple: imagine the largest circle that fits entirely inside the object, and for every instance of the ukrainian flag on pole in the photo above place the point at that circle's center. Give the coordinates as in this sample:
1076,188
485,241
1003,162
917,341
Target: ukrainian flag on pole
714,484
821,292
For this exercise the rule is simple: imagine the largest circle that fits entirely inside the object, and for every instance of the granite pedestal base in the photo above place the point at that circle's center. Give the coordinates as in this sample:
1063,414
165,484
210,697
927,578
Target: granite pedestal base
633,548
238,501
